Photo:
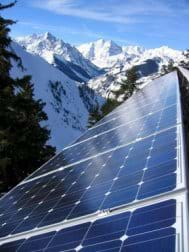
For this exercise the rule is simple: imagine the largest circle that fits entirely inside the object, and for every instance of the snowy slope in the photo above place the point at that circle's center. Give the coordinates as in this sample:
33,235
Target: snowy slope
67,115
108,54
64,56
147,69
106,83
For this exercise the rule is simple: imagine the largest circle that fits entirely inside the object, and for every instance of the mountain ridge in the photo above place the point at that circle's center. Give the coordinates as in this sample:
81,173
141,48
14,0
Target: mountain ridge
105,58
60,54
100,64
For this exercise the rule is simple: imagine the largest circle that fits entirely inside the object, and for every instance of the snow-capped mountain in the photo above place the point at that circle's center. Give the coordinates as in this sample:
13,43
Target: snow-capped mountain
108,54
62,55
100,51
133,50
67,102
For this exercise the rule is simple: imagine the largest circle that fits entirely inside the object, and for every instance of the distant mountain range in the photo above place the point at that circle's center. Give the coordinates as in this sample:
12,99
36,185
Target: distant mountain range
107,54
117,59
72,81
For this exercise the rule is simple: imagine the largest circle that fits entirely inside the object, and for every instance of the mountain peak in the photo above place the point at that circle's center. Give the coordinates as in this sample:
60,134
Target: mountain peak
100,50
49,36
101,40
55,51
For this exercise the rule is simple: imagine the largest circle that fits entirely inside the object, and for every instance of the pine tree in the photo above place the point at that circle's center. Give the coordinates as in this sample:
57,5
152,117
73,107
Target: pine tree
109,106
128,85
168,68
185,63
23,145
94,116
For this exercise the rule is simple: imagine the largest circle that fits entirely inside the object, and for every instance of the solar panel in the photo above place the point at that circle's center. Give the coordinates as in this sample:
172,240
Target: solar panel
117,177
151,228
122,135
134,155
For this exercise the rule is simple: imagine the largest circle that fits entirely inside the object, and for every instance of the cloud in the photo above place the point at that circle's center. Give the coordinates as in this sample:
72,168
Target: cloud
79,9
115,11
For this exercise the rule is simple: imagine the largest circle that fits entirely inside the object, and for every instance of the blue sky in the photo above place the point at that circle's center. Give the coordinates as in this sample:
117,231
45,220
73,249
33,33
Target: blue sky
149,23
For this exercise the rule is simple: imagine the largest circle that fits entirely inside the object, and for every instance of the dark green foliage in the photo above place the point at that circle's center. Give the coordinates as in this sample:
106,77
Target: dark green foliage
94,116
185,63
57,90
109,106
23,145
128,85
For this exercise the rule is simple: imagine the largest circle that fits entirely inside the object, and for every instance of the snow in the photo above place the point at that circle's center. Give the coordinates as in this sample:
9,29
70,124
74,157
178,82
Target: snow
133,50
72,119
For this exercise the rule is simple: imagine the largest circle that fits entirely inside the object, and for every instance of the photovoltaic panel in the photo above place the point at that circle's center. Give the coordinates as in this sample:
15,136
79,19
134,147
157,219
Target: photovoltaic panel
134,155
134,172
151,228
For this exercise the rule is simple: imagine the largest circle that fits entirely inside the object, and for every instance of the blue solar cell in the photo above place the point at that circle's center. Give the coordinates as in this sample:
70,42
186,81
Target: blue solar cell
157,186
69,238
12,246
36,243
162,170
163,240
152,219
